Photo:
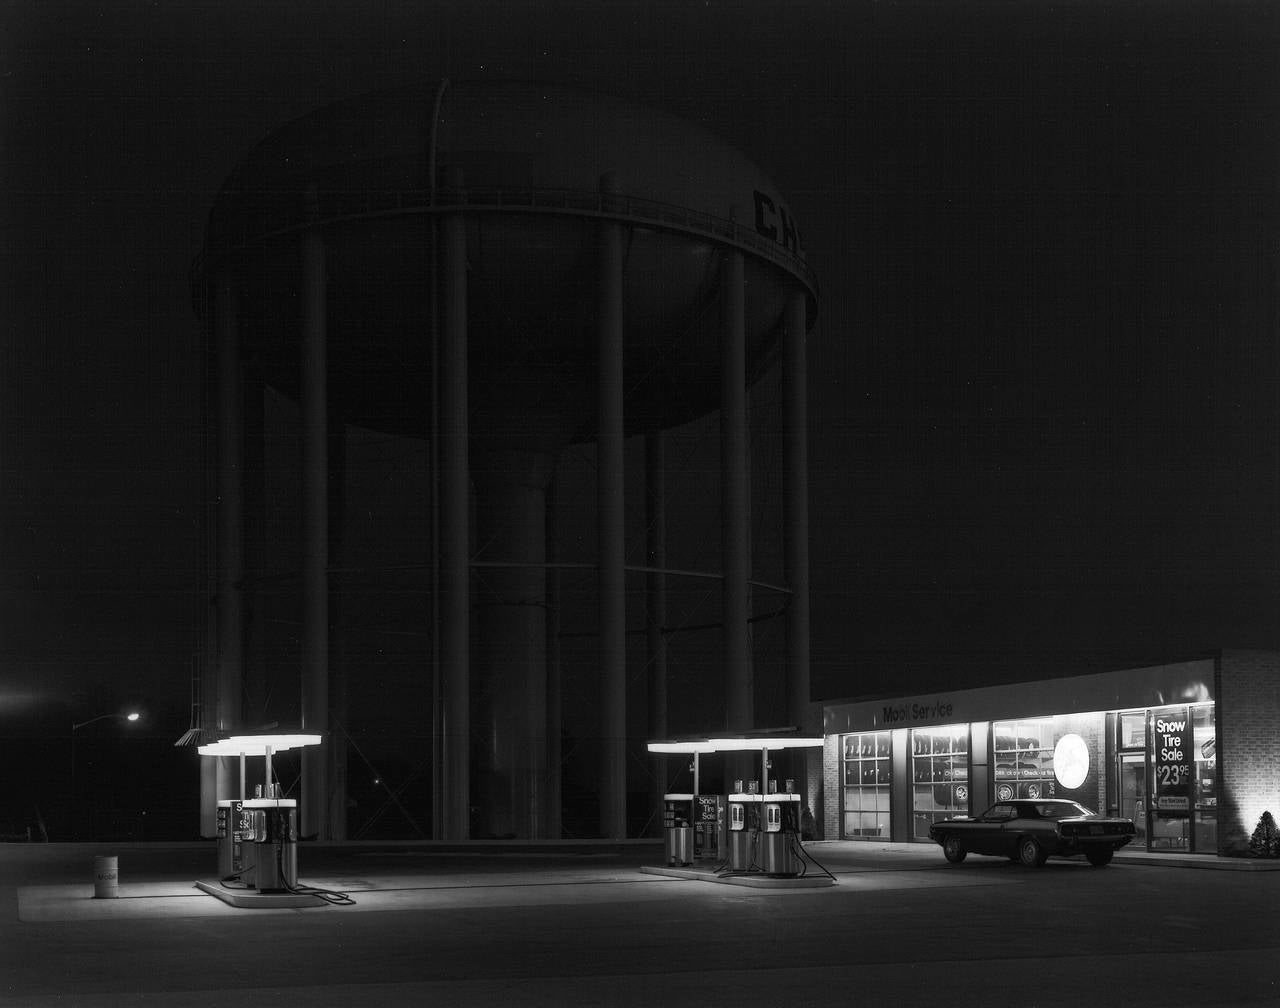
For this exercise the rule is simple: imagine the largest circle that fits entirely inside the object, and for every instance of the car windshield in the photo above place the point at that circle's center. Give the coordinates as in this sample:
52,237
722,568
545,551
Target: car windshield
1061,810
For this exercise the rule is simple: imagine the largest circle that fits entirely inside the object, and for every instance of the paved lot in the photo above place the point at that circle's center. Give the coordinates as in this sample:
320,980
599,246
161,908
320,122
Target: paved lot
556,925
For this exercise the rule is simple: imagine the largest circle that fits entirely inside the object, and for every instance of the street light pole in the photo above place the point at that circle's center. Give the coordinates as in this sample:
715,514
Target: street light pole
76,726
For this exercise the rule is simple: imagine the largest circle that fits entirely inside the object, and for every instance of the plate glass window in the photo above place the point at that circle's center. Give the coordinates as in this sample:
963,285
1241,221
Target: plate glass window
939,776
1133,729
1205,761
868,774
1024,759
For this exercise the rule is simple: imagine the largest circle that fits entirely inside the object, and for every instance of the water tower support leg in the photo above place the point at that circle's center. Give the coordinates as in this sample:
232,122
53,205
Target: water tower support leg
454,538
553,677
795,432
314,812
229,659
800,711
655,488
611,537
735,499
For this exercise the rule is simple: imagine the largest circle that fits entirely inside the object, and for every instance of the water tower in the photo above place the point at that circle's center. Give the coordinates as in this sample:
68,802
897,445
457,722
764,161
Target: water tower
500,270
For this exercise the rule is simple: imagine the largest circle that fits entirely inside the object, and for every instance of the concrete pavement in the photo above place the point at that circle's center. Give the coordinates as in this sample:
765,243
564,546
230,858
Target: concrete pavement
471,924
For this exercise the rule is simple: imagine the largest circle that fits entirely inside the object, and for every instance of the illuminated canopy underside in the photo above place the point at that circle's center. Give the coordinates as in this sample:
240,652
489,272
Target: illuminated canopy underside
257,745
735,744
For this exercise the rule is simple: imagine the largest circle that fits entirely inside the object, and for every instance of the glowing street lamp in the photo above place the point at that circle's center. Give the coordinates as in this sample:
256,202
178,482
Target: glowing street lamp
131,716
75,727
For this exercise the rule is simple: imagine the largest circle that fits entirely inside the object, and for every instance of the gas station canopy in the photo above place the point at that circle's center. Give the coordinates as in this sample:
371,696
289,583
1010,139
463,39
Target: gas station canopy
258,745
681,747
735,743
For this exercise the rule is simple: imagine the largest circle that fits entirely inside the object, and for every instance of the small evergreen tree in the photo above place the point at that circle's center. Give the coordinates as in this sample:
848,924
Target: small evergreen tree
1265,841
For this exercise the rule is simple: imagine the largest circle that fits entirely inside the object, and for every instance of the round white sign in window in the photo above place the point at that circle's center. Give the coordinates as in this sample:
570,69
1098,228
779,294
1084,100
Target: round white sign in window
1071,761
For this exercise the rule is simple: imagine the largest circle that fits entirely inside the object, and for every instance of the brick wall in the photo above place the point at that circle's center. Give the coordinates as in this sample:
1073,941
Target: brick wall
1248,750
813,788
814,759
830,821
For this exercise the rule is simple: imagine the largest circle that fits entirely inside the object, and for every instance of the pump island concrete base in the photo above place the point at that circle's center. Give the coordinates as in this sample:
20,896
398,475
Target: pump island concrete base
751,880
250,898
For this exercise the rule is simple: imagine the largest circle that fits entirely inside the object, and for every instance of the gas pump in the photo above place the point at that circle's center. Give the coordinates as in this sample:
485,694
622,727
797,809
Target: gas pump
235,829
744,830
274,834
677,829
781,835
762,831
258,837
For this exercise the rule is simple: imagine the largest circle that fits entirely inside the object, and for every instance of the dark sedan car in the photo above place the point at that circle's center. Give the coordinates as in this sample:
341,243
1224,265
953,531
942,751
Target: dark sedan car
1031,831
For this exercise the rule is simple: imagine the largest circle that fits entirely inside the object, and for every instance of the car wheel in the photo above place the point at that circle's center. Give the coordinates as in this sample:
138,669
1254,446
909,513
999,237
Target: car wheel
1098,858
953,850
1029,852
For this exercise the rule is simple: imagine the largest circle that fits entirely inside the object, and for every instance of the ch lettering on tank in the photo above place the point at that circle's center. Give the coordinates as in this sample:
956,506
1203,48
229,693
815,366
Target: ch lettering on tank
773,222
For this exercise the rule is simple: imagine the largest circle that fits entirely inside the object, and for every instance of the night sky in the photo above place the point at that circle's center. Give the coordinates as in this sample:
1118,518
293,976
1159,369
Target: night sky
1043,382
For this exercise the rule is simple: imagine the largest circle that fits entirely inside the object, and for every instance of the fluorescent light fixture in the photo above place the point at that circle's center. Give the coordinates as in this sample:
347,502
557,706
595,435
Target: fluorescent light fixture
709,745
756,744
681,747
228,747
257,745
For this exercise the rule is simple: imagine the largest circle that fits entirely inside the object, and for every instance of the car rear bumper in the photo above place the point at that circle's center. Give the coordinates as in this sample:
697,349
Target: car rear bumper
1081,845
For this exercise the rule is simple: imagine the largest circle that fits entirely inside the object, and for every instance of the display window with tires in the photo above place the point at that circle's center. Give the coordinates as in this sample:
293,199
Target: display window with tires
868,776
939,776
1063,756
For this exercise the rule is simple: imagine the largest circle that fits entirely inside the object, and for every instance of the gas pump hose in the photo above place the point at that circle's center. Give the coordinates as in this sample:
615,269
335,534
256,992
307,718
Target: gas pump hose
798,848
328,895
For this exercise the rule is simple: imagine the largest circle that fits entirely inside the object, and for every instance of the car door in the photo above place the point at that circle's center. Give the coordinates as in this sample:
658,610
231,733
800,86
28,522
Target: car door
990,837
1005,840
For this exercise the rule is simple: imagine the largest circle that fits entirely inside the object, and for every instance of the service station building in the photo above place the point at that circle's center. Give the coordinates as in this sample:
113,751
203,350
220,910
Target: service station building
1187,750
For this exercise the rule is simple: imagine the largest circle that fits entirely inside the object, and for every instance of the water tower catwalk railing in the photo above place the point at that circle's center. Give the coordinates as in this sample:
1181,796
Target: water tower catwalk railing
342,206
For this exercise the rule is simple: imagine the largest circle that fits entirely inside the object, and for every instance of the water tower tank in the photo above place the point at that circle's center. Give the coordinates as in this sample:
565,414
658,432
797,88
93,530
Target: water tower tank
365,219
